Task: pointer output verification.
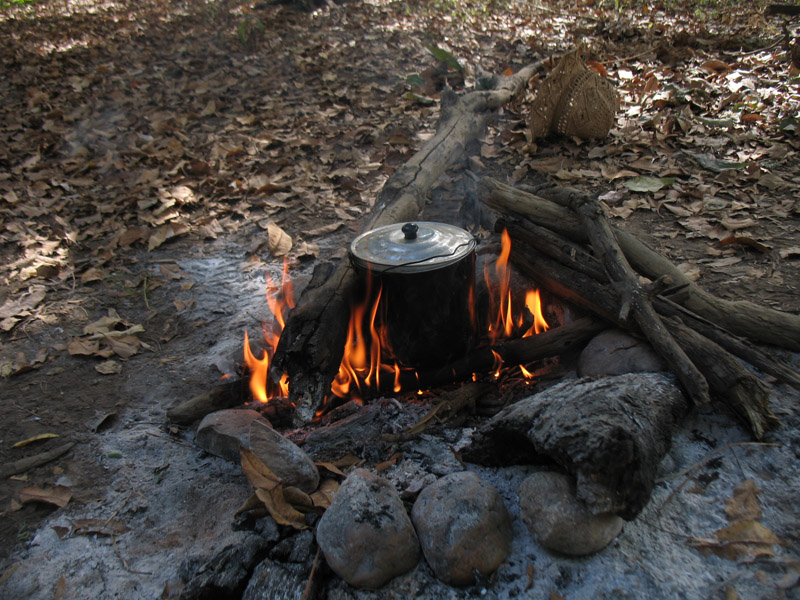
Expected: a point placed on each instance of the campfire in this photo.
(369, 365)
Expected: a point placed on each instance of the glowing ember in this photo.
(280, 300)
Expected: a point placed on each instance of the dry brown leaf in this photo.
(171, 271)
(279, 241)
(323, 497)
(36, 438)
(741, 539)
(124, 347)
(98, 527)
(92, 274)
(134, 234)
(109, 367)
(83, 347)
(23, 306)
(166, 232)
(297, 498)
(331, 467)
(734, 224)
(251, 504)
(279, 509)
(60, 495)
(257, 473)
(744, 503)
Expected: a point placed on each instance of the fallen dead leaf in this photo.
(164, 233)
(107, 527)
(280, 243)
(258, 474)
(324, 494)
(279, 509)
(297, 498)
(109, 367)
(744, 503)
(741, 539)
(83, 347)
(59, 495)
(36, 438)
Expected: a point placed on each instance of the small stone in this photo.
(284, 458)
(463, 526)
(614, 352)
(366, 535)
(559, 521)
(222, 432)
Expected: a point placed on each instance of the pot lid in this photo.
(411, 247)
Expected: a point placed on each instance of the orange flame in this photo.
(533, 302)
(367, 352)
(280, 300)
(366, 355)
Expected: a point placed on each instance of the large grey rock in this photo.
(222, 432)
(463, 527)
(608, 433)
(283, 457)
(366, 535)
(614, 352)
(559, 521)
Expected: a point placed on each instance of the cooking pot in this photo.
(426, 273)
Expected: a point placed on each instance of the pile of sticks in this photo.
(562, 239)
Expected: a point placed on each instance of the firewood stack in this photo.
(563, 240)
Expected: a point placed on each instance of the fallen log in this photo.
(312, 343)
(741, 318)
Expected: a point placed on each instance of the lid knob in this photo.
(410, 231)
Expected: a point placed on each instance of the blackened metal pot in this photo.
(426, 277)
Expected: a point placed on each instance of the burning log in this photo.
(569, 271)
(311, 346)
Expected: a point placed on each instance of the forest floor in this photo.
(139, 140)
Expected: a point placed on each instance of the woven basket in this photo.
(573, 101)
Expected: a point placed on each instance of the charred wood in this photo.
(312, 344)
(226, 395)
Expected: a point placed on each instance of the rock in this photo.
(608, 433)
(273, 580)
(463, 526)
(614, 352)
(225, 573)
(283, 457)
(366, 535)
(559, 521)
(222, 432)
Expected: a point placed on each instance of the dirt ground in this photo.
(148, 149)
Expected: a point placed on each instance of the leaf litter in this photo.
(154, 128)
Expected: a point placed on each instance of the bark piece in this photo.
(226, 395)
(609, 433)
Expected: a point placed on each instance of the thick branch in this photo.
(741, 318)
(634, 299)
